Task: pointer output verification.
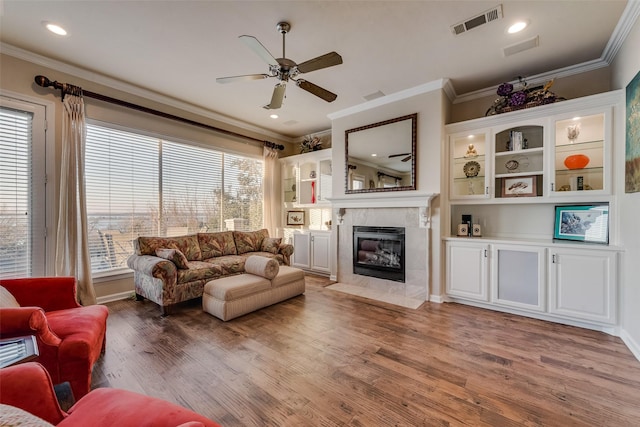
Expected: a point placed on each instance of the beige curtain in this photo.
(72, 248)
(271, 206)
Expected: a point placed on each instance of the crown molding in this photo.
(625, 24)
(112, 83)
(388, 99)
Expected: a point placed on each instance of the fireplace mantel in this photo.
(399, 199)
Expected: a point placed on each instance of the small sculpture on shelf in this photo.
(512, 99)
(471, 151)
(310, 144)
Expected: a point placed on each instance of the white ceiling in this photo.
(178, 48)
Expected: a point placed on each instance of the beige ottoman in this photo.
(233, 296)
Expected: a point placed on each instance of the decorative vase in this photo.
(313, 191)
(576, 161)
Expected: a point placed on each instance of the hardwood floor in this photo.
(333, 359)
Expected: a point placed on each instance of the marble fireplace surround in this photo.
(393, 210)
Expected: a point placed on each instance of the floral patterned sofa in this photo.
(169, 270)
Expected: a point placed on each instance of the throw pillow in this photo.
(175, 256)
(249, 241)
(13, 416)
(271, 244)
(7, 300)
(262, 266)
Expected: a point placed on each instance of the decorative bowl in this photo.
(576, 161)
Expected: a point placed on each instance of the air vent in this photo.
(476, 21)
(519, 47)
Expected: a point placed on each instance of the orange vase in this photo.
(576, 161)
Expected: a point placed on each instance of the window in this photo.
(22, 189)
(140, 185)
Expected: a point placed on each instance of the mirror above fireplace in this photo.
(381, 156)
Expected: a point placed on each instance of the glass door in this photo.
(468, 166)
(579, 158)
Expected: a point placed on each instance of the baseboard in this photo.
(436, 298)
(630, 343)
(115, 297)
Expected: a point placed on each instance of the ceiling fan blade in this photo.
(317, 90)
(327, 60)
(242, 78)
(398, 155)
(406, 159)
(259, 49)
(277, 97)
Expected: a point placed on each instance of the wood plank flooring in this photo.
(333, 359)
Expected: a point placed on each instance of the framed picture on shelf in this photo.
(583, 223)
(519, 186)
(295, 217)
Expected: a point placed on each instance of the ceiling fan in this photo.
(285, 69)
(406, 159)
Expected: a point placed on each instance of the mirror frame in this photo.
(414, 127)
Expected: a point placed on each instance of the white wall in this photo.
(625, 66)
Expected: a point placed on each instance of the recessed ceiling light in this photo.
(374, 155)
(55, 28)
(517, 27)
(274, 116)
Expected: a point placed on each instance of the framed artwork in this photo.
(632, 144)
(295, 217)
(520, 186)
(583, 223)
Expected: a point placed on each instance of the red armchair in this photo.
(28, 387)
(70, 337)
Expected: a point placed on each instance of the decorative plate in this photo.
(471, 169)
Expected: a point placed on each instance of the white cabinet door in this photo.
(518, 276)
(301, 250)
(320, 256)
(467, 270)
(582, 284)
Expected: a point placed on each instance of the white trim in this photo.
(399, 199)
(388, 99)
(625, 25)
(115, 297)
(436, 298)
(50, 171)
(101, 79)
(633, 346)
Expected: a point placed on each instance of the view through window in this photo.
(143, 186)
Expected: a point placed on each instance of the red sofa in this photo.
(70, 337)
(28, 387)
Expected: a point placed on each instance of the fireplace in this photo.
(379, 252)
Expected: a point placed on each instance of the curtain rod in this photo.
(69, 89)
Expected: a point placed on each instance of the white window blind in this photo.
(16, 202)
(138, 185)
(122, 190)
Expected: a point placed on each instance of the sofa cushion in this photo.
(287, 275)
(233, 287)
(271, 244)
(261, 266)
(7, 300)
(217, 244)
(199, 270)
(174, 255)
(249, 241)
(188, 245)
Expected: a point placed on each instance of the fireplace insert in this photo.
(379, 252)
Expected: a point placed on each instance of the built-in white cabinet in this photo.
(555, 151)
(306, 179)
(582, 284)
(467, 270)
(311, 251)
(549, 280)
